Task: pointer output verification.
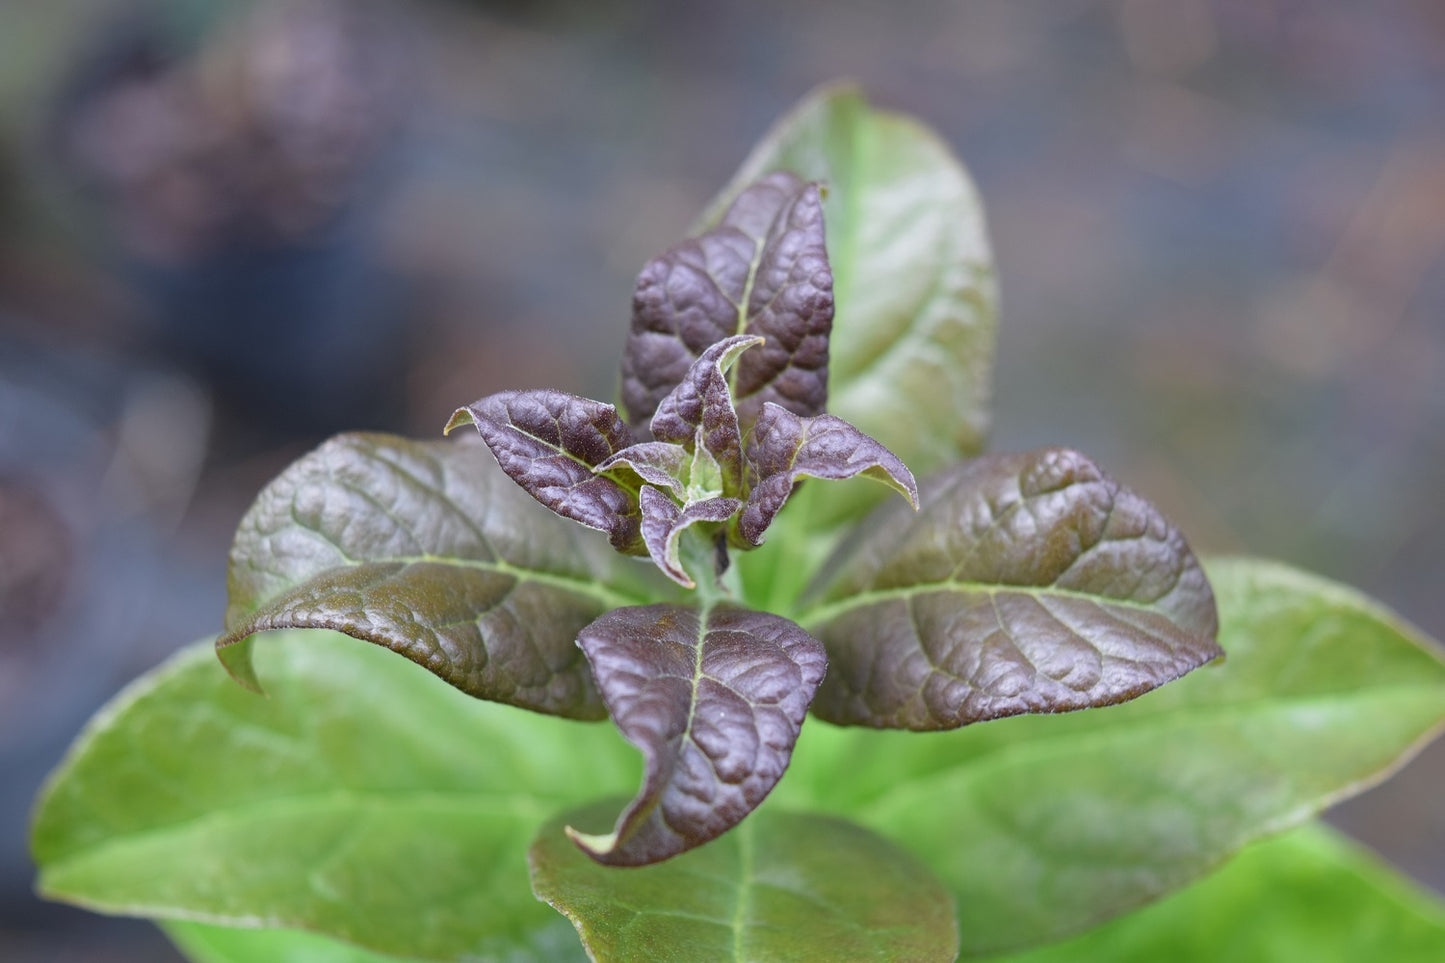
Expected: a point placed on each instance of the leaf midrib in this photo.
(829, 610)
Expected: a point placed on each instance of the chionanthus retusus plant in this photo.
(365, 804)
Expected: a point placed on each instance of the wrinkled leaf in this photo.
(1043, 825)
(779, 887)
(655, 463)
(549, 442)
(714, 701)
(912, 349)
(363, 800)
(429, 550)
(663, 524)
(699, 411)
(760, 270)
(1310, 895)
(784, 448)
(1028, 583)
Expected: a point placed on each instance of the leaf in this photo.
(549, 442)
(1308, 895)
(761, 269)
(779, 887)
(784, 448)
(224, 944)
(556, 942)
(714, 699)
(429, 550)
(663, 523)
(912, 347)
(363, 800)
(1042, 826)
(699, 412)
(655, 463)
(1028, 583)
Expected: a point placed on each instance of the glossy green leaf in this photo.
(556, 942)
(363, 800)
(1044, 825)
(1027, 583)
(429, 550)
(1309, 895)
(714, 698)
(913, 334)
(781, 887)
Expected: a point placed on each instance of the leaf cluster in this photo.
(838, 292)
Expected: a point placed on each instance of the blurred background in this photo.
(231, 227)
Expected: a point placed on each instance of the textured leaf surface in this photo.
(362, 800)
(912, 347)
(549, 442)
(1309, 895)
(760, 269)
(700, 412)
(663, 524)
(781, 887)
(784, 448)
(429, 550)
(1044, 825)
(714, 700)
(1028, 583)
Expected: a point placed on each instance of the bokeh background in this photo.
(229, 228)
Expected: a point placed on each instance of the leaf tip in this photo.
(234, 654)
(594, 845)
(462, 416)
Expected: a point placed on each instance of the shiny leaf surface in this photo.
(699, 412)
(549, 442)
(1028, 583)
(762, 270)
(784, 448)
(1309, 895)
(912, 347)
(779, 887)
(714, 699)
(1042, 826)
(429, 550)
(363, 800)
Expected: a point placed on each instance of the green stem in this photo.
(700, 557)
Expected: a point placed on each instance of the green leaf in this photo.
(762, 270)
(429, 550)
(554, 943)
(714, 699)
(781, 887)
(1309, 895)
(913, 335)
(1027, 583)
(1042, 826)
(363, 800)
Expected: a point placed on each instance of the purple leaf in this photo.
(663, 524)
(549, 442)
(714, 701)
(784, 448)
(762, 271)
(1028, 583)
(655, 462)
(701, 406)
